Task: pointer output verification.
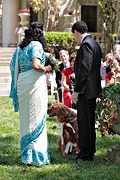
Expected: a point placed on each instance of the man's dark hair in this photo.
(80, 26)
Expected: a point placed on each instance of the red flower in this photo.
(69, 11)
(24, 10)
(109, 75)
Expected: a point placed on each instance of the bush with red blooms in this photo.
(113, 60)
(108, 108)
(109, 75)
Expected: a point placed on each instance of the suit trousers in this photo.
(86, 126)
(60, 94)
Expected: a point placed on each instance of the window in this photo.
(89, 15)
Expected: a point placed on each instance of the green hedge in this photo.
(60, 40)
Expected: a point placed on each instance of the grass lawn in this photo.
(61, 168)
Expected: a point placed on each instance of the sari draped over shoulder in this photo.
(33, 102)
(14, 74)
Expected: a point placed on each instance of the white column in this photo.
(23, 4)
(9, 22)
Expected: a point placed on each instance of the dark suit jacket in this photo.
(87, 68)
(58, 75)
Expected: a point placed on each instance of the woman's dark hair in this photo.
(80, 26)
(72, 56)
(34, 33)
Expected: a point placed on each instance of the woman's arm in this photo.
(38, 67)
(64, 84)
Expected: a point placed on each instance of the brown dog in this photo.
(67, 122)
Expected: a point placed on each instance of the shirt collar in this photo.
(84, 35)
(67, 65)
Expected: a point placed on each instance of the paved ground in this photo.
(5, 80)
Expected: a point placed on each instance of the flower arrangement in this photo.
(69, 11)
(24, 10)
(52, 61)
(113, 60)
(108, 108)
(108, 104)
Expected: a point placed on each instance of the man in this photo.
(87, 89)
(64, 57)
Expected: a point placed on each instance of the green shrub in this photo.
(60, 40)
(108, 107)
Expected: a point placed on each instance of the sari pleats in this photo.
(33, 101)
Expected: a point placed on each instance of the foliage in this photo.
(61, 167)
(115, 37)
(108, 107)
(43, 4)
(49, 8)
(52, 61)
(60, 40)
(57, 41)
(109, 13)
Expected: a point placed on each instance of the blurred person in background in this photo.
(68, 81)
(64, 58)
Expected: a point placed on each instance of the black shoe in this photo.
(78, 157)
(90, 159)
(80, 160)
(25, 164)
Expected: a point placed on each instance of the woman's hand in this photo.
(40, 68)
(47, 68)
(64, 84)
(74, 97)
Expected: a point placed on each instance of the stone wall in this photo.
(88, 1)
(66, 20)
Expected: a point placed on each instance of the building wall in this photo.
(88, 1)
(9, 19)
(92, 3)
(66, 20)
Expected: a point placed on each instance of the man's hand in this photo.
(74, 97)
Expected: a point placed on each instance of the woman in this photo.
(67, 75)
(64, 58)
(29, 94)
